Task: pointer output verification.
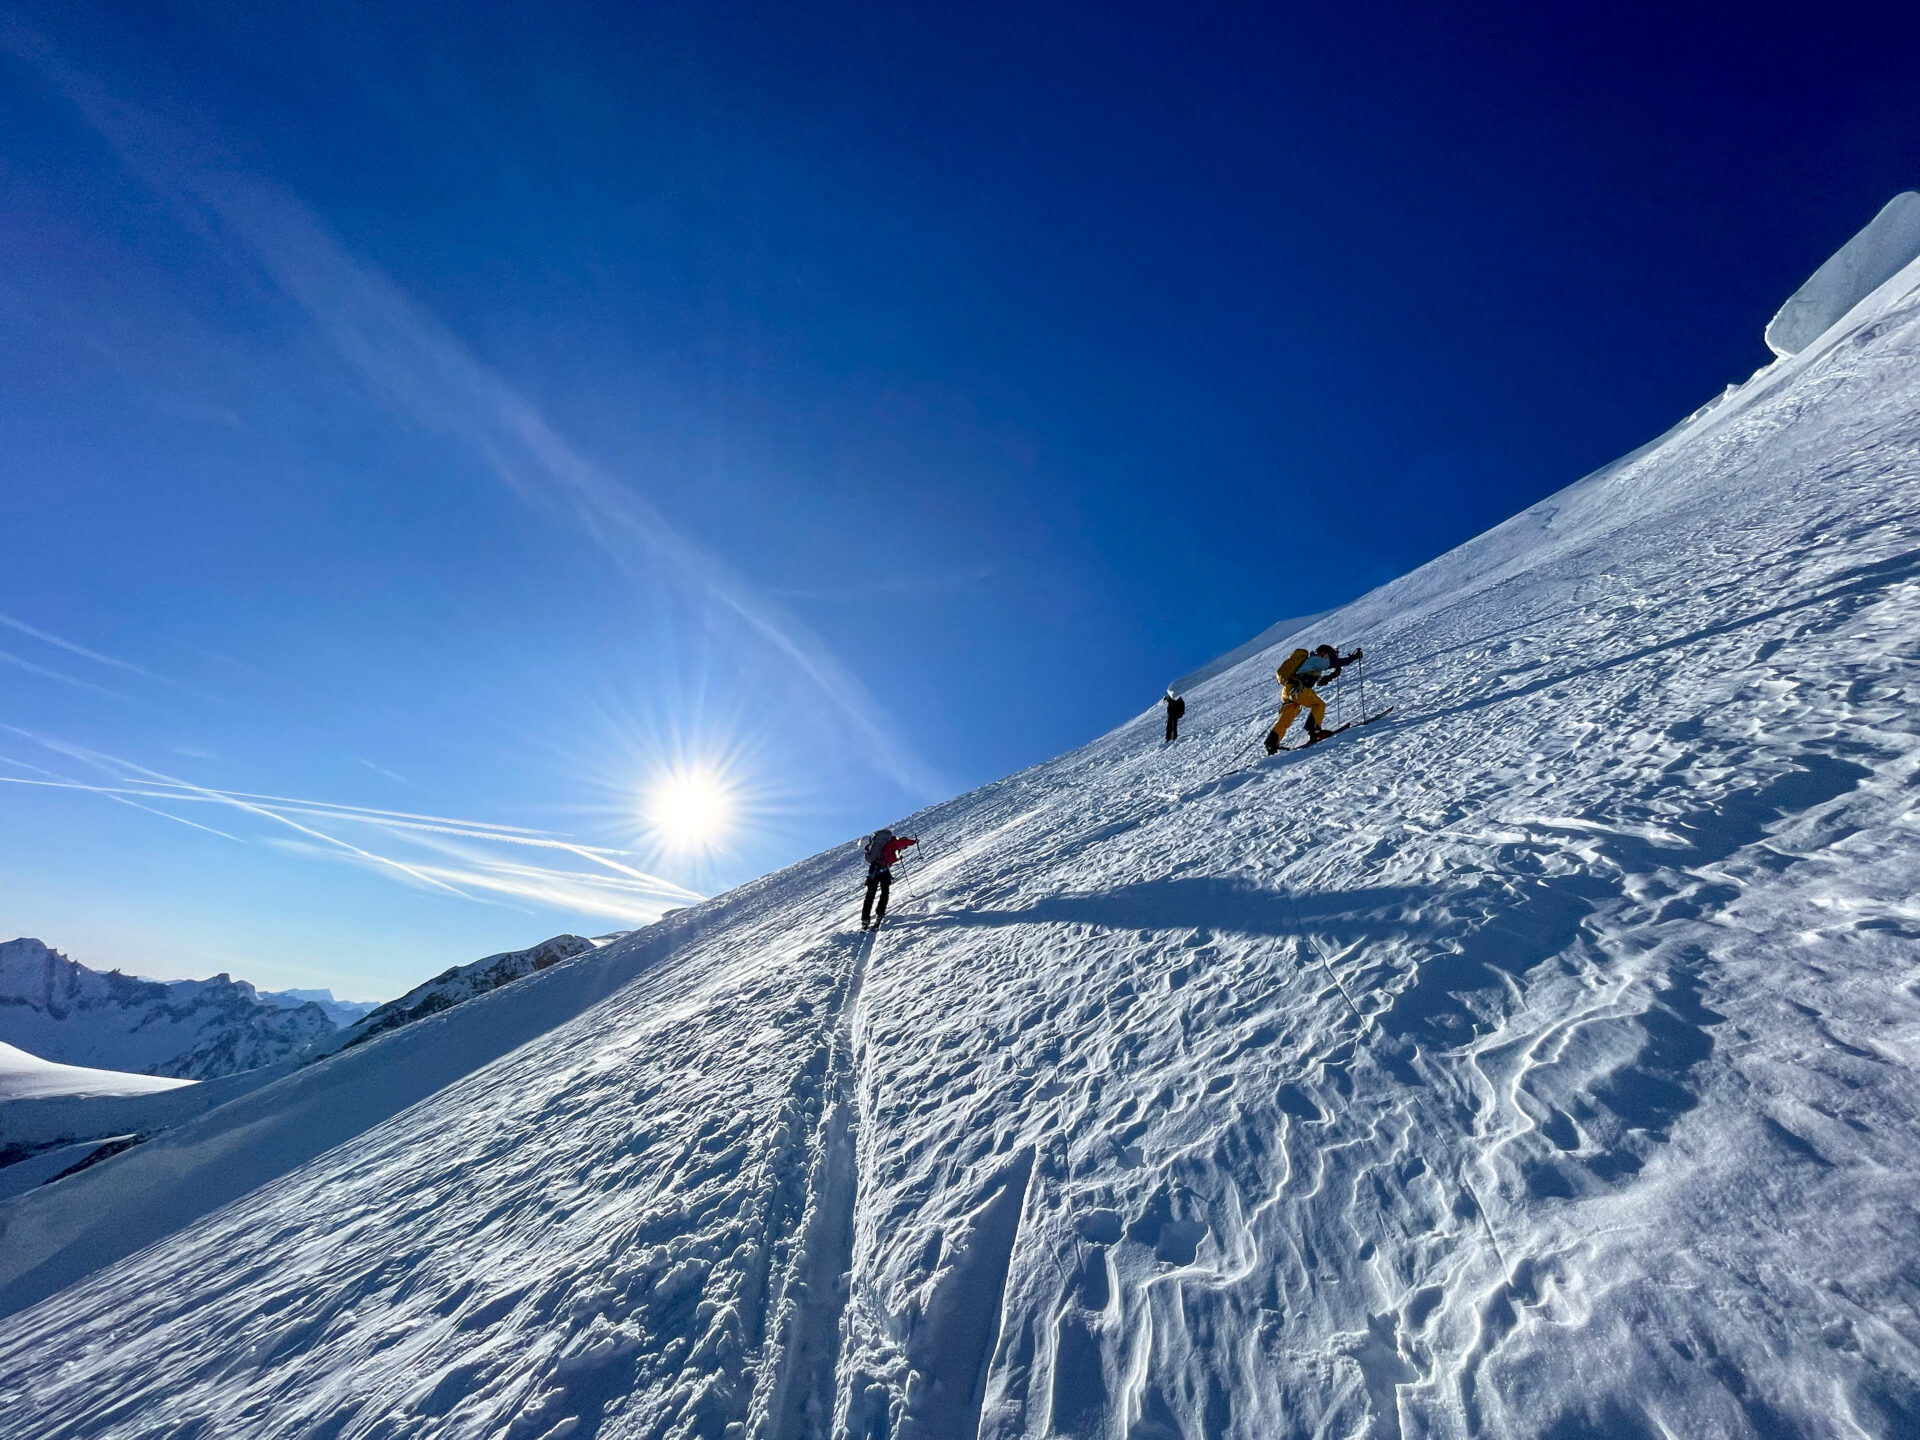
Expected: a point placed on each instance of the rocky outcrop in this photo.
(463, 982)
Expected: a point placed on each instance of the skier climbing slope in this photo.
(882, 850)
(1298, 674)
(1552, 1074)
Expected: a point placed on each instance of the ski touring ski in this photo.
(1338, 729)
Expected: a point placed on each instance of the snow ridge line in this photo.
(795, 1394)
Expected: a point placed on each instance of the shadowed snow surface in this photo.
(1538, 1062)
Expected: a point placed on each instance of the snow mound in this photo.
(1886, 246)
(1543, 1061)
(34, 1122)
(28, 1077)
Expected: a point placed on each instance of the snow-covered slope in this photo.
(51, 1164)
(28, 1077)
(1265, 640)
(60, 1010)
(53, 1104)
(33, 1122)
(201, 1158)
(1539, 1062)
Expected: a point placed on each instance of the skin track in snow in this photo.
(1544, 1066)
(804, 1345)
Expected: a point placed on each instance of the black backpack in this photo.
(877, 846)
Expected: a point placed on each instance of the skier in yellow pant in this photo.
(1298, 674)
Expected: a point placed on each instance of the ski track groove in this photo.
(798, 1393)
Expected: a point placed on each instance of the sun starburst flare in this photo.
(690, 810)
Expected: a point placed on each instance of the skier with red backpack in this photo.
(883, 847)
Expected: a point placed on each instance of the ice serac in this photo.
(1886, 246)
(1541, 1062)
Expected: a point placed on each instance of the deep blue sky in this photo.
(469, 410)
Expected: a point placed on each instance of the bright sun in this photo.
(690, 809)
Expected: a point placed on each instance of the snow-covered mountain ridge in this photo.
(1538, 1063)
(458, 984)
(45, 1105)
(62, 1011)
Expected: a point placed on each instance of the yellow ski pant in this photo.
(1298, 700)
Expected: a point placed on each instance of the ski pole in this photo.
(907, 882)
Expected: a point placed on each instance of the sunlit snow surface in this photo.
(1616, 1137)
(24, 1076)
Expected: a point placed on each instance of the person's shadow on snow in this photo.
(1202, 903)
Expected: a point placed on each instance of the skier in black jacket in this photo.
(1176, 707)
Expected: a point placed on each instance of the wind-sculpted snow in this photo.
(1539, 1062)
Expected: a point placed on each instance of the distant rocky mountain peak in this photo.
(60, 1010)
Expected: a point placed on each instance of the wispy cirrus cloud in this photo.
(56, 781)
(60, 643)
(131, 672)
(424, 374)
(385, 773)
(45, 672)
(612, 897)
(475, 860)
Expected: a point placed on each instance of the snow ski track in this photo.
(797, 1378)
(951, 1347)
